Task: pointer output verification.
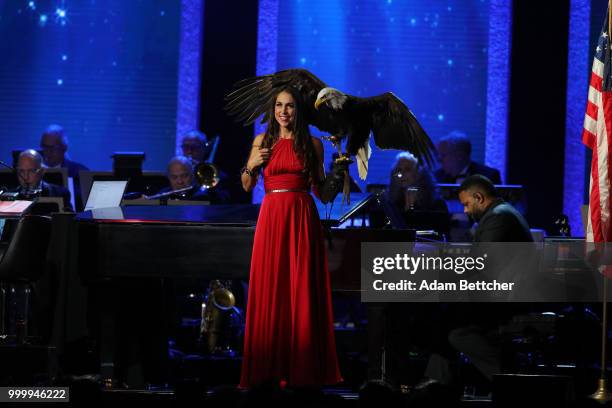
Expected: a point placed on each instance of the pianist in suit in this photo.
(477, 329)
(181, 179)
(30, 172)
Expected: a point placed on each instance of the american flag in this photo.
(597, 135)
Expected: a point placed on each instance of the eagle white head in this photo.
(331, 97)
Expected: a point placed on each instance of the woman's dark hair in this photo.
(302, 143)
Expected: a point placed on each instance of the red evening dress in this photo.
(289, 327)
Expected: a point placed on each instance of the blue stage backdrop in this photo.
(433, 55)
(105, 70)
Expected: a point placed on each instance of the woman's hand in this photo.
(259, 157)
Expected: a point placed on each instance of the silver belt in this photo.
(286, 190)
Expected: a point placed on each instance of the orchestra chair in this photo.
(22, 263)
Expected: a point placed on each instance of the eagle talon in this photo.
(335, 140)
(344, 159)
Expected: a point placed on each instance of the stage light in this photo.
(60, 12)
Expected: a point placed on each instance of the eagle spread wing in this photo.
(252, 97)
(393, 125)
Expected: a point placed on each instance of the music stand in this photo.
(128, 165)
(57, 176)
(150, 180)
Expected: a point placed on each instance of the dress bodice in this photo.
(285, 169)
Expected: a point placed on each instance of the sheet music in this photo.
(105, 194)
(16, 207)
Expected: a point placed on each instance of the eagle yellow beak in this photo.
(318, 102)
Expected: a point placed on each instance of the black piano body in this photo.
(127, 250)
(167, 241)
(200, 242)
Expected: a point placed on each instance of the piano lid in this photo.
(235, 215)
(335, 213)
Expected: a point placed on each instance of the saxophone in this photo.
(216, 315)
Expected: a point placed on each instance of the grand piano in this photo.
(167, 241)
(208, 241)
(128, 250)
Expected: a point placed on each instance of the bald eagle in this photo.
(344, 116)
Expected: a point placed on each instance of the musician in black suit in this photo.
(54, 145)
(476, 334)
(30, 173)
(498, 221)
(455, 157)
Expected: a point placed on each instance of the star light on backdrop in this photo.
(42, 14)
(433, 55)
(369, 47)
(60, 16)
(106, 71)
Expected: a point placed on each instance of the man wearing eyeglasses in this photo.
(180, 177)
(30, 173)
(195, 146)
(53, 145)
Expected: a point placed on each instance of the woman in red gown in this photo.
(289, 328)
